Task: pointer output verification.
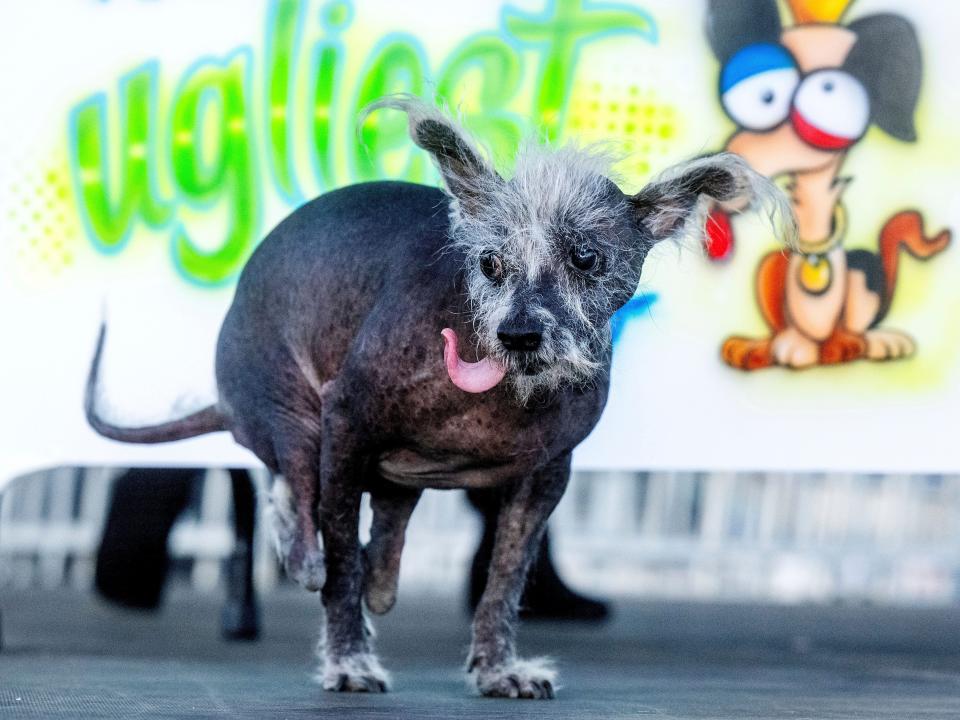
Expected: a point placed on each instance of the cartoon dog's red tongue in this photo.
(471, 377)
(719, 239)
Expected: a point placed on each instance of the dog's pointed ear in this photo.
(734, 24)
(467, 175)
(677, 203)
(886, 59)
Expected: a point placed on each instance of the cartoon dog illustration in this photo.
(802, 97)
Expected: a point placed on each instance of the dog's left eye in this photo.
(491, 265)
(584, 258)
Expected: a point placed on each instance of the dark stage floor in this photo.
(69, 656)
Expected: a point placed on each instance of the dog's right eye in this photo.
(491, 265)
(584, 258)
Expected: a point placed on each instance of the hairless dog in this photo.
(390, 337)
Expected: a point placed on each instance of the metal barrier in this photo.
(779, 537)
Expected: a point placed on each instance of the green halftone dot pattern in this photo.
(336, 14)
(44, 221)
(644, 127)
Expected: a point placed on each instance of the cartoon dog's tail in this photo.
(905, 229)
(203, 421)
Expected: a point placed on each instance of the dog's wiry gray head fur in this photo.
(555, 250)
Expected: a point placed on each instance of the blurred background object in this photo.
(133, 559)
(786, 538)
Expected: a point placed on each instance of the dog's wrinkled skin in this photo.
(329, 365)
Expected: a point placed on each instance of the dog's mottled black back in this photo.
(313, 281)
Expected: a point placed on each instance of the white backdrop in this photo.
(674, 405)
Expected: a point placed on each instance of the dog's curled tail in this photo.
(905, 229)
(203, 421)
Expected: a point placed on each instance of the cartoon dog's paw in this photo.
(534, 679)
(889, 345)
(360, 672)
(842, 346)
(794, 349)
(746, 354)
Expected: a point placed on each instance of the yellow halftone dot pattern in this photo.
(640, 124)
(44, 221)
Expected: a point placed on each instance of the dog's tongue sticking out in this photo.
(471, 377)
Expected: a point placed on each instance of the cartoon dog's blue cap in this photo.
(752, 60)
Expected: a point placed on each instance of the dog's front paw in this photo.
(361, 672)
(889, 345)
(842, 346)
(379, 598)
(380, 584)
(794, 349)
(535, 679)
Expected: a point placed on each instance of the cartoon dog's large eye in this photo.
(491, 265)
(757, 86)
(831, 110)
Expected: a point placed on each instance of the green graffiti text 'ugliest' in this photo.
(215, 129)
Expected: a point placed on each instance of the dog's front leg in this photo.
(392, 506)
(493, 664)
(349, 663)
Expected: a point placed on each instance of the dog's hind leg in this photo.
(392, 506)
(293, 510)
(747, 353)
(493, 665)
(349, 663)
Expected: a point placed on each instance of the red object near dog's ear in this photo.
(719, 236)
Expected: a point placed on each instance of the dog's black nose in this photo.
(520, 341)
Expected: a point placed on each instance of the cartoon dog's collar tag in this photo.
(816, 274)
